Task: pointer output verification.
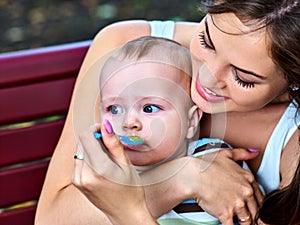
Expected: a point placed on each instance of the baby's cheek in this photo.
(156, 131)
(116, 122)
(166, 132)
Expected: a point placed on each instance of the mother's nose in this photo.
(212, 76)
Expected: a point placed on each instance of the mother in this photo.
(250, 69)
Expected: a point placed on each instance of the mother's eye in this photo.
(242, 82)
(203, 42)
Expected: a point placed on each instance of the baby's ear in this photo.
(194, 115)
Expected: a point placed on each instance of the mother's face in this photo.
(232, 67)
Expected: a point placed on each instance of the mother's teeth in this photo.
(210, 92)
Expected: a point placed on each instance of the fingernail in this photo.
(108, 127)
(254, 150)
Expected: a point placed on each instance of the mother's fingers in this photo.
(259, 192)
(114, 147)
(255, 200)
(111, 162)
(253, 195)
(245, 220)
(78, 163)
(241, 154)
(239, 213)
(77, 171)
(244, 215)
(238, 195)
(109, 143)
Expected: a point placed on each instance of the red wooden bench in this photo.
(35, 91)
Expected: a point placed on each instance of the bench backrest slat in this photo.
(29, 102)
(35, 92)
(23, 183)
(23, 216)
(41, 64)
(29, 143)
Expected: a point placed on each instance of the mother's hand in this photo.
(224, 189)
(109, 181)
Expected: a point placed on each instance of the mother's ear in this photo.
(194, 116)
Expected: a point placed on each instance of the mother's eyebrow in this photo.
(249, 72)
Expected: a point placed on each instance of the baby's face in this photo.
(149, 100)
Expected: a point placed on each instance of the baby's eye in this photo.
(151, 109)
(115, 109)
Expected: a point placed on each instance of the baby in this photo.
(145, 93)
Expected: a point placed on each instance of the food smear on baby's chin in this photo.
(131, 140)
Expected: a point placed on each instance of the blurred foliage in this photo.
(34, 23)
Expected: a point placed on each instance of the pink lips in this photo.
(210, 97)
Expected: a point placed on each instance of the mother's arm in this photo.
(115, 187)
(60, 202)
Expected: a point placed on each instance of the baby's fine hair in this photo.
(149, 48)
